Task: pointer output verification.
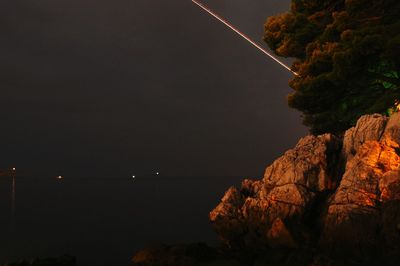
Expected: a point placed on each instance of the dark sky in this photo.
(110, 88)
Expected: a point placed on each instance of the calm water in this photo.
(103, 221)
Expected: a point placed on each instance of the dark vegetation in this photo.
(65, 260)
(347, 58)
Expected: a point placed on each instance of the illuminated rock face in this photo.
(369, 192)
(249, 217)
(341, 193)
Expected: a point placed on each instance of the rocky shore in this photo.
(331, 200)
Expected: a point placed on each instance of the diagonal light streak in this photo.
(209, 11)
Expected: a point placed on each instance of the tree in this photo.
(347, 57)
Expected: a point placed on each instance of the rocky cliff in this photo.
(331, 200)
(336, 194)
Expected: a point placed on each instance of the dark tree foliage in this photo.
(347, 57)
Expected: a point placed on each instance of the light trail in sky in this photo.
(209, 11)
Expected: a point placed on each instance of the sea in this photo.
(104, 221)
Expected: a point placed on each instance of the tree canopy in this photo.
(347, 59)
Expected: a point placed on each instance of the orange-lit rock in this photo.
(371, 179)
(279, 236)
(368, 127)
(341, 193)
(290, 184)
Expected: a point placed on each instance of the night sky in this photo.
(114, 88)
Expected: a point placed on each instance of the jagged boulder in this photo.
(267, 212)
(368, 127)
(358, 214)
(343, 193)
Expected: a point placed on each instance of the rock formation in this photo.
(338, 194)
(260, 213)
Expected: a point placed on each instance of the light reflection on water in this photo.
(12, 216)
